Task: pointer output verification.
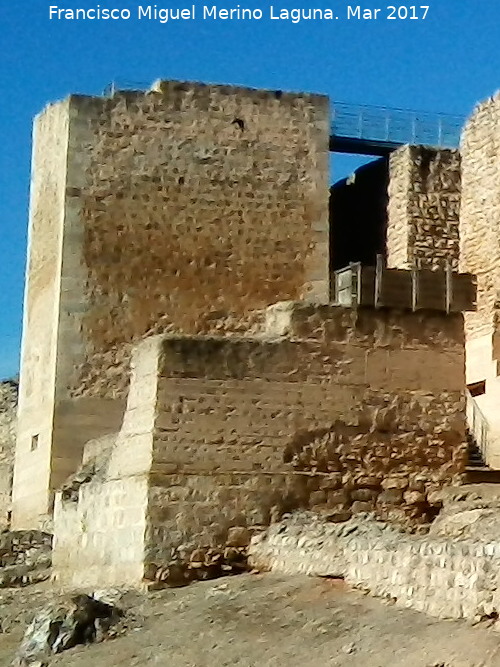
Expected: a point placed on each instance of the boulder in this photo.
(73, 620)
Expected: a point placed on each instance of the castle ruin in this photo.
(211, 340)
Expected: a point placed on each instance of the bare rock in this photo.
(395, 483)
(391, 496)
(57, 627)
(339, 516)
(238, 536)
(414, 497)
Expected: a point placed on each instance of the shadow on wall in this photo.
(358, 215)
(77, 422)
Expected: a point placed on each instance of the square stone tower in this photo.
(423, 211)
(182, 209)
(480, 254)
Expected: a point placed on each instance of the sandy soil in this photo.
(265, 620)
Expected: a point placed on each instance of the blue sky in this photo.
(446, 62)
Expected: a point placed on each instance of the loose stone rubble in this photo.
(25, 557)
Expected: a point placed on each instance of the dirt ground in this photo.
(265, 620)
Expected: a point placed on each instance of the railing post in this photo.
(449, 286)
(359, 280)
(440, 132)
(414, 288)
(360, 124)
(378, 281)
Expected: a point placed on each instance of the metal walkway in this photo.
(367, 130)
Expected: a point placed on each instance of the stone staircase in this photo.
(478, 472)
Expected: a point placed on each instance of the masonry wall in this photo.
(480, 254)
(480, 213)
(447, 578)
(331, 409)
(184, 209)
(423, 211)
(100, 515)
(32, 474)
(8, 427)
(197, 205)
(342, 415)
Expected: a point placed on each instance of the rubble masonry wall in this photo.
(423, 210)
(331, 409)
(8, 428)
(447, 578)
(480, 254)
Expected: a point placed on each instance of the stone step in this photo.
(482, 474)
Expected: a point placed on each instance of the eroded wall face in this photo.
(186, 209)
(182, 209)
(355, 412)
(480, 213)
(102, 521)
(8, 428)
(199, 204)
(480, 254)
(31, 497)
(332, 409)
(423, 211)
(423, 572)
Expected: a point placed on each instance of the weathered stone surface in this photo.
(209, 416)
(423, 210)
(444, 577)
(231, 184)
(414, 497)
(480, 212)
(363, 495)
(360, 506)
(39, 353)
(390, 497)
(62, 626)
(8, 424)
(238, 536)
(25, 558)
(394, 483)
(479, 254)
(224, 432)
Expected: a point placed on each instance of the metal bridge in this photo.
(370, 130)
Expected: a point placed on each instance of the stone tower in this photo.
(181, 209)
(480, 254)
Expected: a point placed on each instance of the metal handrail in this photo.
(478, 425)
(396, 126)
